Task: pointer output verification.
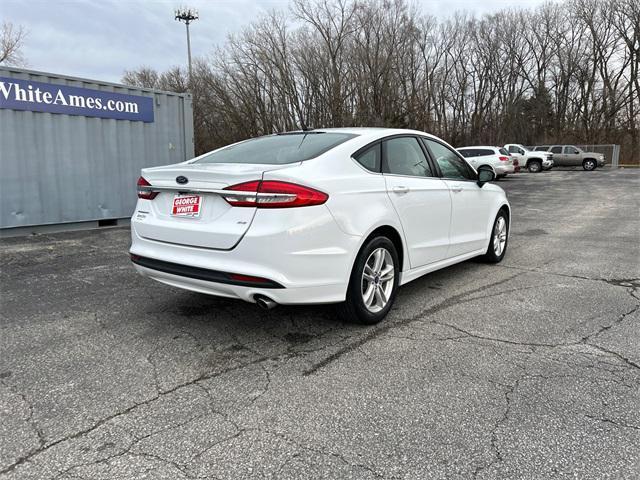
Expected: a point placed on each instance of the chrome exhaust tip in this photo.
(265, 303)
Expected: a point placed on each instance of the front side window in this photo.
(468, 153)
(404, 156)
(370, 158)
(451, 165)
(278, 149)
(556, 150)
(514, 149)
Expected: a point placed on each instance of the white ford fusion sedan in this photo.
(342, 215)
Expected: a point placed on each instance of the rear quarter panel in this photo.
(358, 199)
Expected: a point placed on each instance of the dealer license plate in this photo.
(186, 206)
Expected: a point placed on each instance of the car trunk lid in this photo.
(194, 213)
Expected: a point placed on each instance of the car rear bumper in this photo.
(504, 169)
(285, 296)
(301, 250)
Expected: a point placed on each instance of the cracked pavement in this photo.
(527, 369)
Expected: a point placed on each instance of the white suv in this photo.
(496, 157)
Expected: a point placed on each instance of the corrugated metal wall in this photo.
(57, 168)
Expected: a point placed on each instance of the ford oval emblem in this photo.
(182, 180)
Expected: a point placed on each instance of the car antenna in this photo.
(304, 127)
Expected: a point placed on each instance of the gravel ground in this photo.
(527, 369)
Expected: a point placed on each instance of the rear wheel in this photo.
(589, 164)
(373, 283)
(499, 238)
(534, 166)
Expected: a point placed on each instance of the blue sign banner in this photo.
(18, 94)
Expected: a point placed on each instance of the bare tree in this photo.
(564, 72)
(11, 43)
(145, 77)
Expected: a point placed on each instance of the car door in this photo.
(485, 157)
(470, 204)
(420, 198)
(558, 157)
(572, 156)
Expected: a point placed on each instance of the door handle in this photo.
(400, 189)
(456, 188)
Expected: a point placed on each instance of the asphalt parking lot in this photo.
(527, 369)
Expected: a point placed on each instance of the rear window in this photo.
(278, 149)
(503, 151)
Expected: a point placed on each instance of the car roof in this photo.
(368, 131)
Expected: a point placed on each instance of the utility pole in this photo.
(187, 15)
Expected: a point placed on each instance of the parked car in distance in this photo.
(533, 161)
(572, 156)
(341, 215)
(496, 157)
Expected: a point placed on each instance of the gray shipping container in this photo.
(59, 168)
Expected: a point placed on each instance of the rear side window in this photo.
(370, 158)
(556, 150)
(484, 152)
(404, 156)
(278, 149)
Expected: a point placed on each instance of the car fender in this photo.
(398, 228)
(498, 206)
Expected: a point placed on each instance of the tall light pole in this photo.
(187, 15)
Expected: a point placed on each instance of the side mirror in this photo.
(485, 174)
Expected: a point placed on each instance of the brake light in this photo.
(144, 190)
(504, 159)
(274, 194)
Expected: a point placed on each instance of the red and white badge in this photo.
(186, 206)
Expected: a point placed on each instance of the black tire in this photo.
(534, 166)
(490, 256)
(589, 164)
(353, 309)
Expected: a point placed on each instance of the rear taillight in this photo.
(145, 191)
(504, 159)
(273, 194)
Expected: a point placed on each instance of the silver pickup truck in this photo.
(571, 156)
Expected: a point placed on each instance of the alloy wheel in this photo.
(377, 280)
(499, 236)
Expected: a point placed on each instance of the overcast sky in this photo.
(99, 39)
